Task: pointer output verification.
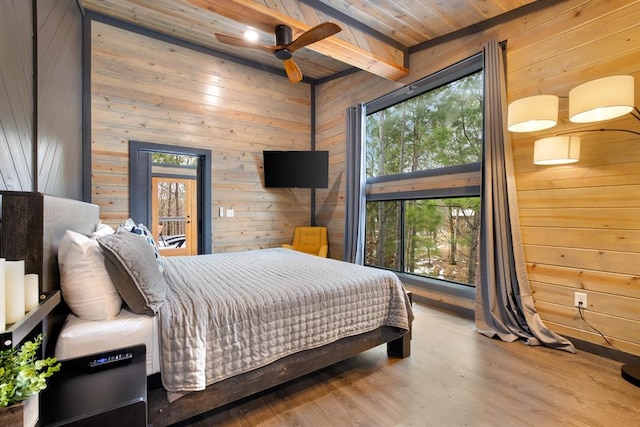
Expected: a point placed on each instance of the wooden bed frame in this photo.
(32, 226)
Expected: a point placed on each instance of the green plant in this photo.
(22, 374)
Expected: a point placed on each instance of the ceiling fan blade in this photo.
(235, 41)
(293, 71)
(314, 34)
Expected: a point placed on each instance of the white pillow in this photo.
(85, 283)
(102, 230)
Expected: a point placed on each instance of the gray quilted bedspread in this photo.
(233, 312)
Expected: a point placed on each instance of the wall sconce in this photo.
(601, 99)
(556, 150)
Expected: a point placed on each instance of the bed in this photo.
(224, 326)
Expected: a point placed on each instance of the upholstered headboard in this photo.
(32, 226)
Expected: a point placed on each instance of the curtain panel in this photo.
(356, 171)
(504, 304)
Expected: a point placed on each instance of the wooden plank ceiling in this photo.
(376, 35)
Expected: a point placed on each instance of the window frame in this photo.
(443, 77)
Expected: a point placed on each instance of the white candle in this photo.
(31, 292)
(14, 287)
(3, 325)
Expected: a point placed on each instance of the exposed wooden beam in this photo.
(265, 19)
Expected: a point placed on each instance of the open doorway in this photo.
(170, 190)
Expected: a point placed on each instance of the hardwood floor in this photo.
(454, 377)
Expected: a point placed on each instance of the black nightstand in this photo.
(112, 394)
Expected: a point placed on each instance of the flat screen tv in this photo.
(296, 169)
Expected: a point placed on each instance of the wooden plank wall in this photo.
(60, 84)
(148, 90)
(581, 222)
(16, 95)
(58, 75)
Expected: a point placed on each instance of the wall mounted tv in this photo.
(296, 169)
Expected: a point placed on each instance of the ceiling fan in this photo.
(285, 46)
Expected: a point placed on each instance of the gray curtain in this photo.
(504, 305)
(355, 203)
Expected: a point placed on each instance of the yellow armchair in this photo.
(311, 240)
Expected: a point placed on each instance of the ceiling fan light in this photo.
(601, 99)
(251, 35)
(556, 150)
(533, 113)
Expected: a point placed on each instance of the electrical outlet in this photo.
(230, 213)
(580, 300)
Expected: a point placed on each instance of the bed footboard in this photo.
(162, 413)
(400, 347)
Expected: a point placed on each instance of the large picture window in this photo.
(424, 150)
(439, 128)
(436, 238)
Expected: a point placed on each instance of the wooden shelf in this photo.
(19, 330)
